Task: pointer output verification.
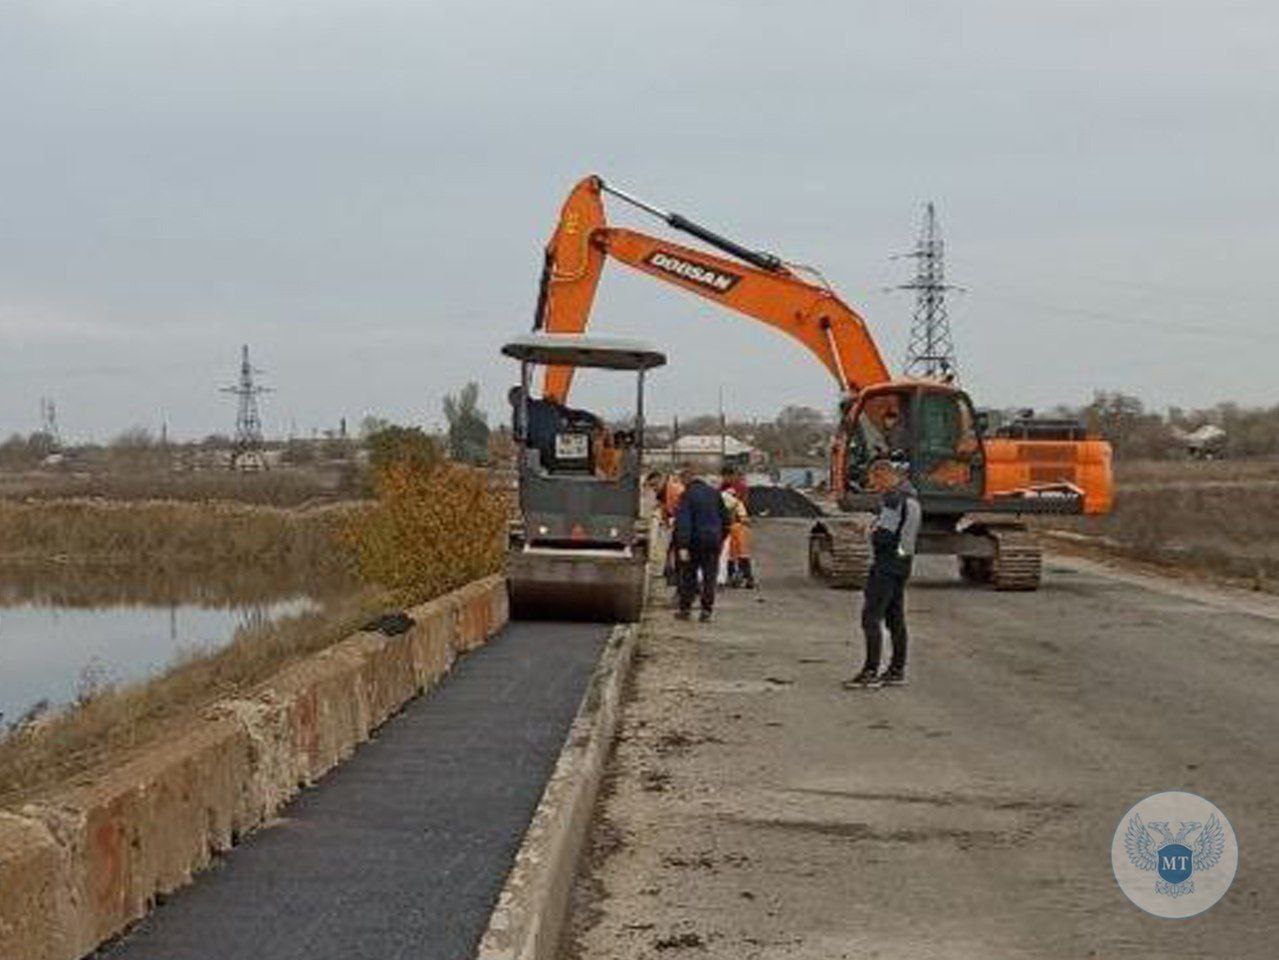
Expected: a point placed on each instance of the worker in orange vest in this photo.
(608, 456)
(668, 489)
(735, 491)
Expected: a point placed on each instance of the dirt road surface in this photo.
(755, 809)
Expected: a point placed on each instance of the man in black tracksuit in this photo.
(699, 536)
(893, 552)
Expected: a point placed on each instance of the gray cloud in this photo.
(360, 190)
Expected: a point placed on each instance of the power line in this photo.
(1175, 295)
(1089, 315)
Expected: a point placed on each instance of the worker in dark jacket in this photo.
(699, 535)
(541, 422)
(892, 542)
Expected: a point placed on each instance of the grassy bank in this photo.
(1142, 472)
(172, 535)
(108, 723)
(80, 584)
(289, 487)
(1220, 519)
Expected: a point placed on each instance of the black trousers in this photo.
(884, 601)
(703, 559)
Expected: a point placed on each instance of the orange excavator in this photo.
(974, 488)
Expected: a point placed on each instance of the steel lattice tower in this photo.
(246, 454)
(931, 351)
(49, 423)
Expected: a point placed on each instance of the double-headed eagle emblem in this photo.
(1173, 857)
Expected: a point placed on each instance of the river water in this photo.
(61, 638)
(50, 653)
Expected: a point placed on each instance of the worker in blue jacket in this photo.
(699, 535)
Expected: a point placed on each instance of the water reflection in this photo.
(66, 629)
(75, 584)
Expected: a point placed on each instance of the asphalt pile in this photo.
(772, 501)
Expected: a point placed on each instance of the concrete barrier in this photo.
(534, 901)
(36, 919)
(81, 864)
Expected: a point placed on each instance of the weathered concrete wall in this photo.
(81, 864)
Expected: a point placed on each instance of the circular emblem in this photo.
(1174, 854)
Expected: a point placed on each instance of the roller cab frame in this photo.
(578, 548)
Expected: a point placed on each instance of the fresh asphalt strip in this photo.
(401, 851)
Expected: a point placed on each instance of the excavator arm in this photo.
(753, 283)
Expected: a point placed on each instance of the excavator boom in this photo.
(973, 489)
(754, 283)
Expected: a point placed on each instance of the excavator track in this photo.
(839, 554)
(1018, 561)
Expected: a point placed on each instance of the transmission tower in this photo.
(49, 424)
(246, 454)
(931, 352)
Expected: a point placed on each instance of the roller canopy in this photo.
(574, 350)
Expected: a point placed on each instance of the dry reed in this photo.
(1226, 526)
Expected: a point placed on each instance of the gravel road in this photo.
(755, 809)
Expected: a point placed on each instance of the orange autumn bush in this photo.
(435, 527)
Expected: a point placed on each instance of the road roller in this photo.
(578, 547)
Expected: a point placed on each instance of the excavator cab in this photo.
(578, 548)
(958, 472)
(932, 426)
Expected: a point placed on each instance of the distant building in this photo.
(1206, 443)
(708, 452)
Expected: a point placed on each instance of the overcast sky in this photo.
(360, 190)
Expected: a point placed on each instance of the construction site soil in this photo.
(755, 809)
(770, 501)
